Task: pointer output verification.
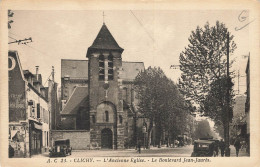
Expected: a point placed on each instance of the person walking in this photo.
(237, 145)
(139, 147)
(11, 151)
(222, 147)
(216, 147)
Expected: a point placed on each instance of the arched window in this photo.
(101, 68)
(120, 119)
(107, 116)
(110, 68)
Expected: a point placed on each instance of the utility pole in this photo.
(227, 112)
(52, 74)
(238, 76)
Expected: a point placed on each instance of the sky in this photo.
(155, 37)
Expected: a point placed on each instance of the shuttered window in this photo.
(38, 110)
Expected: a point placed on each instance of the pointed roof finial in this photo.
(103, 17)
(105, 41)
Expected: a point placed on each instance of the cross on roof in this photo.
(104, 17)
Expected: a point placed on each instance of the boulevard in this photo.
(184, 151)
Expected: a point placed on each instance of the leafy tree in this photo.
(160, 101)
(204, 60)
(203, 65)
(214, 104)
(203, 129)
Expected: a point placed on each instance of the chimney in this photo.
(37, 71)
(52, 73)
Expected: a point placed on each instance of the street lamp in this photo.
(144, 132)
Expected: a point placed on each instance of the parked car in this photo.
(180, 138)
(203, 148)
(61, 148)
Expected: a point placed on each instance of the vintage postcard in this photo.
(140, 83)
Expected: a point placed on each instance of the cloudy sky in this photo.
(153, 37)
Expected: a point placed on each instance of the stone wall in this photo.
(79, 139)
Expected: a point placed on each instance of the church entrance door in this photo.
(106, 138)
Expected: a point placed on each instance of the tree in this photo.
(203, 130)
(214, 103)
(159, 100)
(204, 64)
(204, 60)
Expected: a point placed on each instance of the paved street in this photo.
(153, 152)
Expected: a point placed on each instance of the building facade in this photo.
(247, 105)
(29, 112)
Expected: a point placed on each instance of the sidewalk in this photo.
(45, 154)
(242, 153)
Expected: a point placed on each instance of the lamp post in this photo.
(144, 132)
(227, 112)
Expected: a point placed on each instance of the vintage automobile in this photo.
(203, 148)
(60, 148)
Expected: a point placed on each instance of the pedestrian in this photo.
(216, 147)
(11, 151)
(237, 145)
(139, 147)
(243, 145)
(222, 147)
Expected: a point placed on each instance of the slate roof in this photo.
(130, 70)
(75, 69)
(27, 72)
(78, 69)
(105, 40)
(78, 96)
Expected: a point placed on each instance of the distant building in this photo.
(29, 110)
(98, 98)
(239, 118)
(239, 106)
(247, 104)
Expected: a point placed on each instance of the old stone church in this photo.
(98, 95)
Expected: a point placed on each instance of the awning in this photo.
(36, 126)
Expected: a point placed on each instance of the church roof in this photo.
(105, 40)
(79, 95)
(78, 69)
(75, 69)
(130, 70)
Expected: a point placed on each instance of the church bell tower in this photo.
(104, 90)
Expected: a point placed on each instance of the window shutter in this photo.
(38, 110)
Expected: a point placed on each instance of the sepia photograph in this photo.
(130, 86)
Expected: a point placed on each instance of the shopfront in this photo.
(35, 138)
